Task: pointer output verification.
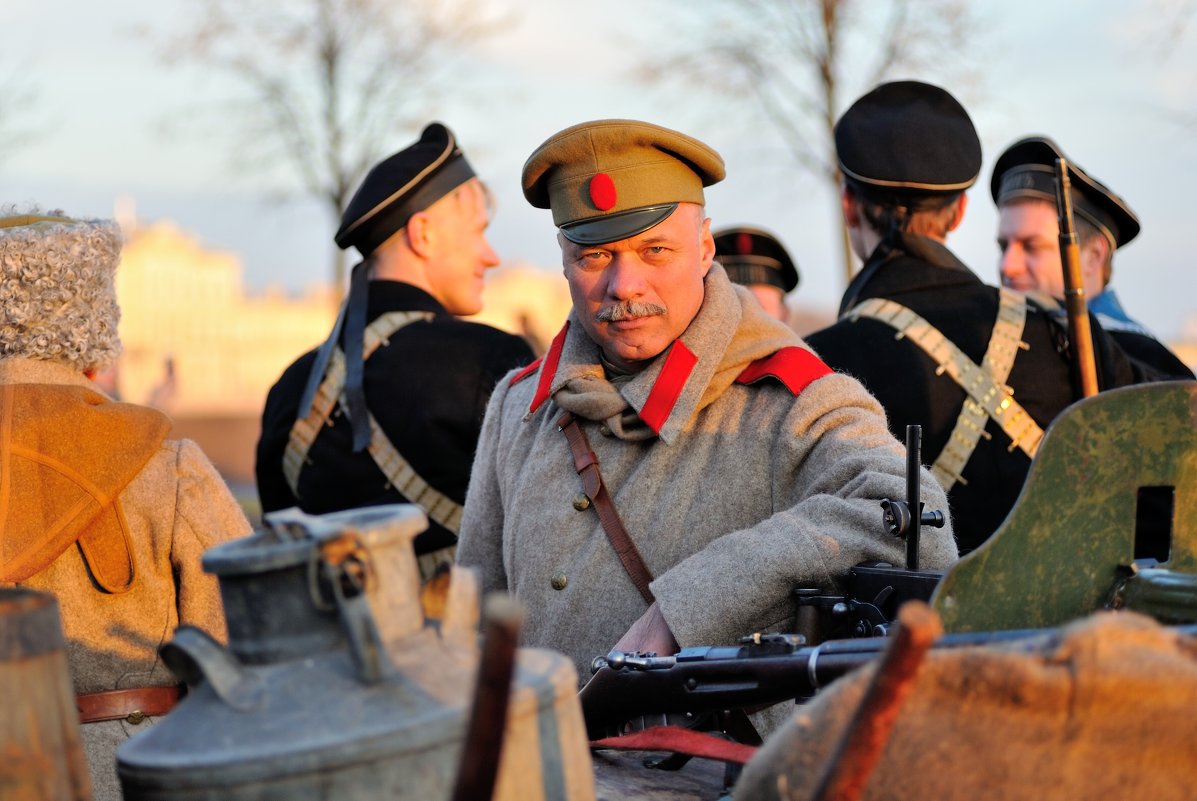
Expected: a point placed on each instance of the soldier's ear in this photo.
(961, 205)
(420, 234)
(850, 207)
(706, 245)
(1095, 254)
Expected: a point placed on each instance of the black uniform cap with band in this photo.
(1027, 171)
(401, 185)
(608, 180)
(394, 189)
(908, 140)
(755, 256)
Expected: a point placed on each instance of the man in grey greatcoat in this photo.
(739, 464)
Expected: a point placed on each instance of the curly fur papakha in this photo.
(57, 290)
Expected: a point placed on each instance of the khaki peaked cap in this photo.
(608, 180)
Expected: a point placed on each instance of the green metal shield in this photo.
(1070, 538)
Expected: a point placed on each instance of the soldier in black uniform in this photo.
(908, 151)
(1023, 187)
(390, 408)
(757, 259)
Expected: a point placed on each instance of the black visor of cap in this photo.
(615, 227)
(753, 270)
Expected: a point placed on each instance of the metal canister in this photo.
(333, 685)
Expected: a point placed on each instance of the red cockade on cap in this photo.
(602, 191)
(744, 244)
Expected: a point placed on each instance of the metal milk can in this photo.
(334, 685)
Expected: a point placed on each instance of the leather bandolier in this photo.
(988, 396)
(398, 471)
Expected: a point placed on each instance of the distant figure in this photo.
(96, 505)
(162, 396)
(981, 370)
(109, 380)
(757, 259)
(388, 410)
(1023, 187)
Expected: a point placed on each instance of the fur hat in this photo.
(57, 290)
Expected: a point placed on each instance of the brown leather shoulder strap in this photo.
(587, 465)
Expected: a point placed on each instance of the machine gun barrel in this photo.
(914, 449)
(627, 688)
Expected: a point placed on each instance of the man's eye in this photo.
(654, 250)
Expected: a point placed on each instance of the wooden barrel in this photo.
(41, 750)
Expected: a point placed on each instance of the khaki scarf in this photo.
(729, 332)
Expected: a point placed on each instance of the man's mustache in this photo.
(628, 310)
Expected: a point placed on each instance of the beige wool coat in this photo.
(746, 491)
(175, 507)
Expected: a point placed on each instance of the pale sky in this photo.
(111, 120)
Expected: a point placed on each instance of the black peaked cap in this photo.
(401, 185)
(1028, 170)
(908, 138)
(755, 256)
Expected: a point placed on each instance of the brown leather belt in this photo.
(133, 705)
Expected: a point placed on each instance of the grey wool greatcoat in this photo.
(734, 492)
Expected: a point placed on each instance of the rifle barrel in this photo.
(1084, 365)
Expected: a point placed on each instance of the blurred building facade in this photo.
(194, 340)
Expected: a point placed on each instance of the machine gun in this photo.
(876, 590)
(1074, 543)
(632, 691)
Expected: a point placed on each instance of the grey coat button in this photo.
(559, 581)
(581, 503)
(604, 429)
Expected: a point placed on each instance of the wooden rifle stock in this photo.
(1080, 336)
(482, 749)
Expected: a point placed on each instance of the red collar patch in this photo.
(795, 367)
(548, 369)
(679, 363)
(527, 371)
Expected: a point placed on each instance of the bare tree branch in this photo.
(324, 84)
(17, 98)
(794, 59)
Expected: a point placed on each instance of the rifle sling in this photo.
(587, 465)
(679, 741)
